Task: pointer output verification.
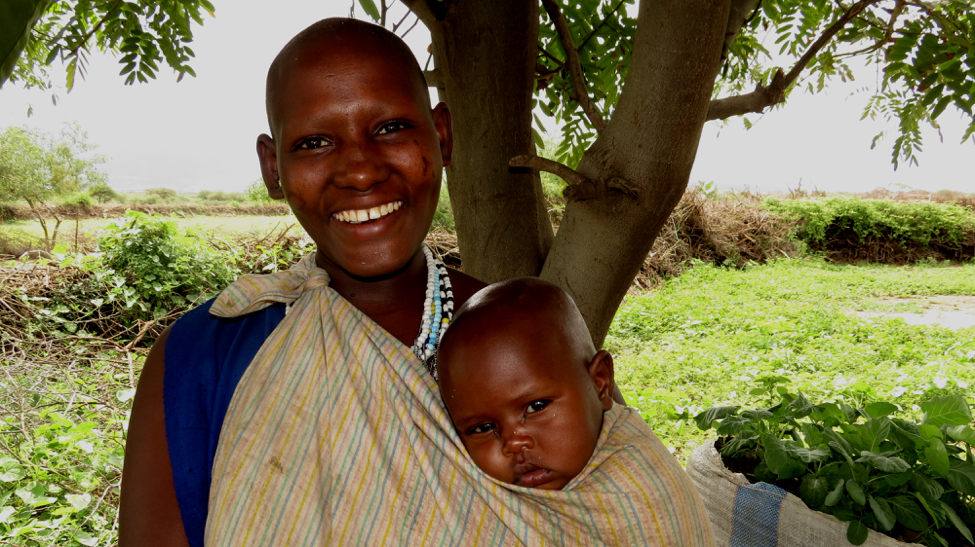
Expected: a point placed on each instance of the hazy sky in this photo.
(199, 134)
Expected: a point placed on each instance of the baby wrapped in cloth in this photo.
(337, 435)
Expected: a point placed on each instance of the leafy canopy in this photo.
(144, 32)
(36, 167)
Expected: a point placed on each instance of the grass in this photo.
(708, 337)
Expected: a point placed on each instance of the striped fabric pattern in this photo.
(337, 435)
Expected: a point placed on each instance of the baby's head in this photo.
(523, 383)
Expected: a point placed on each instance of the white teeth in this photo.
(362, 215)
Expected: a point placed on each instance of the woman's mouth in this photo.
(358, 216)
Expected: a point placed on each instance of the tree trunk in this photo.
(485, 56)
(650, 142)
(40, 218)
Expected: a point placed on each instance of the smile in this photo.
(358, 216)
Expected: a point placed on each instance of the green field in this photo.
(708, 337)
(209, 224)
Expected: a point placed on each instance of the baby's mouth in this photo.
(358, 216)
(530, 475)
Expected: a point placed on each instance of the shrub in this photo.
(83, 199)
(104, 193)
(256, 193)
(889, 231)
(156, 267)
(444, 217)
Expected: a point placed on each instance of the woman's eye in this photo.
(391, 127)
(482, 428)
(535, 406)
(312, 143)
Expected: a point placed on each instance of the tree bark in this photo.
(650, 142)
(485, 56)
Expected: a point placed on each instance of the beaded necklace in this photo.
(438, 309)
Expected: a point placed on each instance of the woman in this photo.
(331, 430)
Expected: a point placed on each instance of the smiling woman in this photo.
(291, 410)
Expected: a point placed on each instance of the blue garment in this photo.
(205, 359)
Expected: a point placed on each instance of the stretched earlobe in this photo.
(441, 119)
(268, 156)
(602, 375)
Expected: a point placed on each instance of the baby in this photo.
(524, 385)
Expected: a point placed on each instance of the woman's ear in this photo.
(601, 373)
(441, 120)
(267, 153)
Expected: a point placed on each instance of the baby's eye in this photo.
(486, 427)
(392, 127)
(535, 406)
(312, 142)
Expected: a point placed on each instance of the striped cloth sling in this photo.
(336, 435)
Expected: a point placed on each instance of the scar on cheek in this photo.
(426, 165)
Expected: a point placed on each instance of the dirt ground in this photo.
(953, 312)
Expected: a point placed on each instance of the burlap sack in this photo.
(762, 515)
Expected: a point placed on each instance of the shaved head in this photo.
(337, 41)
(523, 305)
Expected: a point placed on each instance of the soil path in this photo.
(953, 312)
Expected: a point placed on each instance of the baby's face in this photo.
(527, 416)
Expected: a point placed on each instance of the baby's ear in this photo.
(601, 373)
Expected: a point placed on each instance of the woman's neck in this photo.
(394, 302)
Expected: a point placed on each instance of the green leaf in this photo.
(732, 425)
(813, 490)
(369, 6)
(809, 455)
(856, 492)
(881, 509)
(936, 456)
(946, 410)
(909, 513)
(78, 501)
(886, 464)
(961, 477)
(880, 409)
(927, 486)
(928, 432)
(857, 532)
(5, 513)
(706, 419)
(962, 434)
(953, 517)
(11, 471)
(836, 494)
(933, 509)
(779, 461)
(874, 432)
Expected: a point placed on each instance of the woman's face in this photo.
(359, 155)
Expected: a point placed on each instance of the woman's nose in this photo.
(360, 166)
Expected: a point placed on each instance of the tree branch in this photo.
(580, 187)
(764, 97)
(575, 67)
(426, 10)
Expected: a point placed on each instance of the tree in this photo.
(36, 167)
(633, 94)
